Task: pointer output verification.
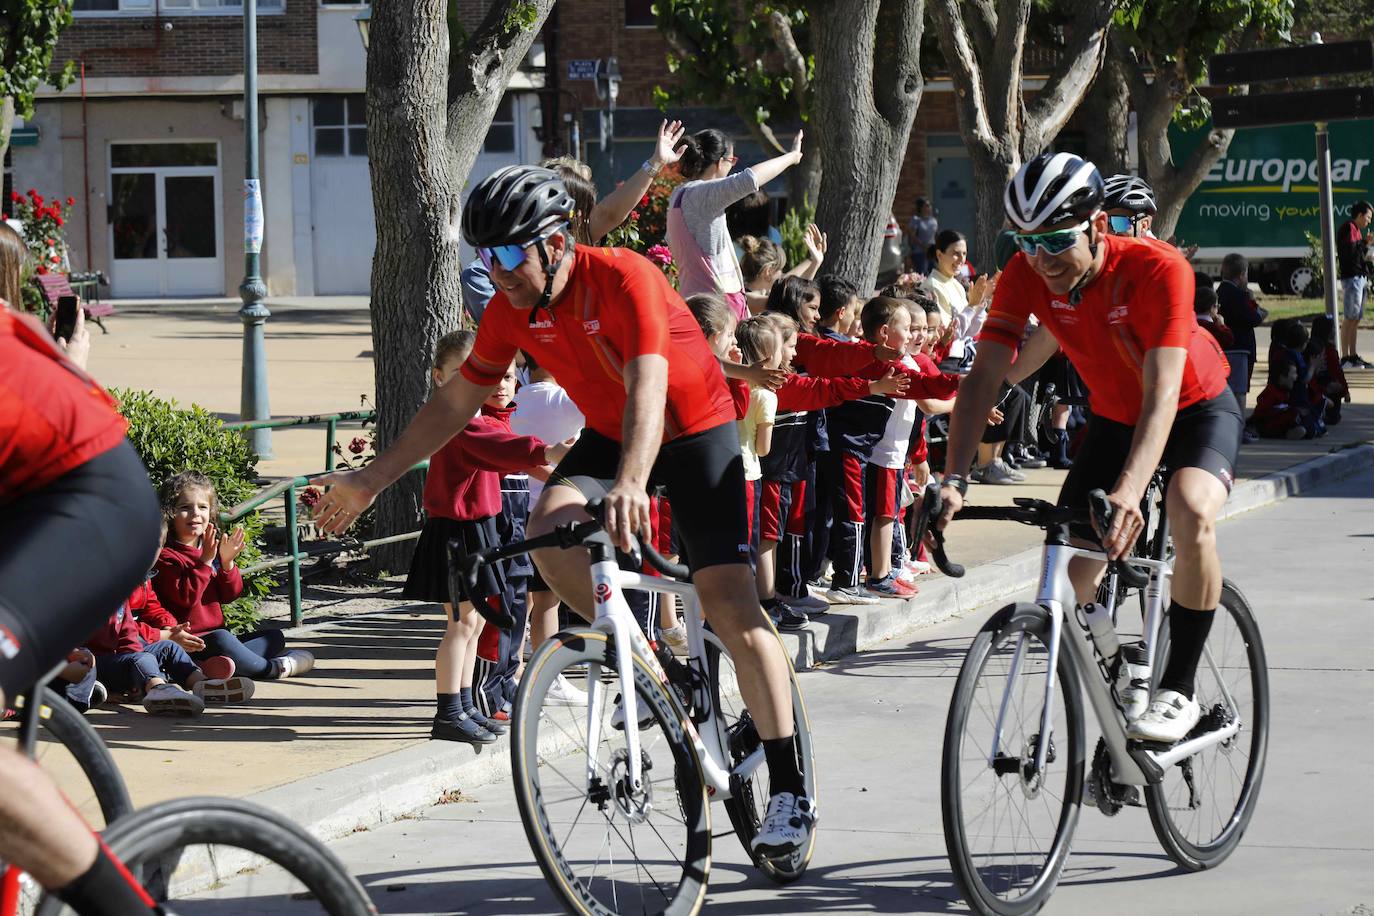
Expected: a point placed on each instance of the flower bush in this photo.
(646, 228)
(44, 224)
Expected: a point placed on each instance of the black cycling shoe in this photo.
(460, 729)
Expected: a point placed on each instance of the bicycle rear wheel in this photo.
(205, 857)
(604, 846)
(70, 751)
(1202, 807)
(749, 795)
(1007, 823)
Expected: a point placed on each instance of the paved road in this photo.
(1307, 567)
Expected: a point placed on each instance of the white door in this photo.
(344, 235)
(165, 213)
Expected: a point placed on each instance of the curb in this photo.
(374, 792)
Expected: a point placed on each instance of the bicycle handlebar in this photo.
(1035, 512)
(467, 568)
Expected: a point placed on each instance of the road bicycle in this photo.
(1014, 758)
(619, 818)
(190, 854)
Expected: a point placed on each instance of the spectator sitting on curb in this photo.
(1328, 379)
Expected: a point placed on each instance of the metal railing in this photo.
(331, 421)
(289, 489)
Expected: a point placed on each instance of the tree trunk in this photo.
(991, 172)
(1107, 109)
(6, 127)
(427, 116)
(867, 88)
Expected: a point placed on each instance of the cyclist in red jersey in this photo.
(1122, 310)
(71, 489)
(623, 344)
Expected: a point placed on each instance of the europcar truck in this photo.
(1262, 196)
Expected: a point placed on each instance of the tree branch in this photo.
(964, 73)
(494, 51)
(1004, 96)
(982, 22)
(1070, 79)
(792, 58)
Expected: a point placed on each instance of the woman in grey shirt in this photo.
(697, 233)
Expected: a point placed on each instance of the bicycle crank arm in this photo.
(1185, 749)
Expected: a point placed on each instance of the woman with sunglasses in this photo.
(1122, 310)
(697, 231)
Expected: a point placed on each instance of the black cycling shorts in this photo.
(70, 554)
(1205, 435)
(703, 475)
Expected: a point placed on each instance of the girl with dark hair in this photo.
(697, 231)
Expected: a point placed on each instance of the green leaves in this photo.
(29, 30)
(1181, 35)
(725, 53)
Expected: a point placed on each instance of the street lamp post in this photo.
(254, 314)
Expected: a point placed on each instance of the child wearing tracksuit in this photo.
(462, 498)
(855, 428)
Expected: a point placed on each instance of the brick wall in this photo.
(936, 115)
(139, 46)
(590, 29)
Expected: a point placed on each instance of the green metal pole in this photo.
(293, 544)
(254, 314)
(330, 436)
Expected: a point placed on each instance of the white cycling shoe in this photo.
(1170, 717)
(786, 826)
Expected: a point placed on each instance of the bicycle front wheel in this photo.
(1202, 807)
(606, 846)
(205, 857)
(1008, 822)
(749, 795)
(70, 750)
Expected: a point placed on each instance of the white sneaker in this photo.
(563, 693)
(675, 638)
(1171, 716)
(225, 690)
(293, 664)
(786, 825)
(171, 700)
(646, 715)
(994, 473)
(1010, 471)
(1133, 683)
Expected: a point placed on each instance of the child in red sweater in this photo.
(132, 657)
(462, 498)
(196, 576)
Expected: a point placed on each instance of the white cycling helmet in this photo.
(1129, 192)
(1051, 188)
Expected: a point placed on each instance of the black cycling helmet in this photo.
(1051, 188)
(513, 204)
(1129, 192)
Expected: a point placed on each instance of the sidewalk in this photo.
(346, 746)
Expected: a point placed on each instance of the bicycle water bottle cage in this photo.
(1102, 511)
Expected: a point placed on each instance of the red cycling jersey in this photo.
(53, 417)
(1142, 299)
(617, 306)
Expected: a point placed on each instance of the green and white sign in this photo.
(1262, 196)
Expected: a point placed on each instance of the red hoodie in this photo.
(464, 480)
(191, 592)
(124, 631)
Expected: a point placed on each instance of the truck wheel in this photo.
(1303, 281)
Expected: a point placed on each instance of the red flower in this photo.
(57, 219)
(71, 201)
(37, 199)
(32, 192)
(55, 259)
(309, 497)
(644, 201)
(634, 214)
(358, 445)
(42, 268)
(16, 197)
(52, 241)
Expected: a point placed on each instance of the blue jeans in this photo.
(251, 653)
(126, 671)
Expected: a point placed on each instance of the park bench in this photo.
(53, 286)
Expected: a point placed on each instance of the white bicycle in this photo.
(619, 818)
(1012, 780)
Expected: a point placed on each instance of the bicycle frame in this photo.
(1130, 765)
(614, 618)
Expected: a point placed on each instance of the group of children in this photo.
(1306, 384)
(167, 645)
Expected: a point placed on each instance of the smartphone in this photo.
(66, 317)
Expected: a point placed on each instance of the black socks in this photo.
(449, 706)
(783, 772)
(106, 889)
(1188, 631)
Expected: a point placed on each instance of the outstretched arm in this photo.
(612, 209)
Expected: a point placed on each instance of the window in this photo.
(155, 155)
(501, 137)
(640, 14)
(340, 125)
(172, 7)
